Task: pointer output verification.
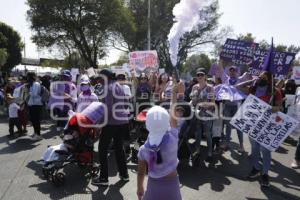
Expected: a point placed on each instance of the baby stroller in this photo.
(186, 150)
(77, 149)
(141, 134)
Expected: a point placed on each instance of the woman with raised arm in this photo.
(159, 155)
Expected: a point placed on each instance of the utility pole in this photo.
(25, 67)
(149, 25)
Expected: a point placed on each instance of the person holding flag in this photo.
(264, 89)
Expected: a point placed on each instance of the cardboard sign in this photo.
(296, 74)
(281, 62)
(142, 61)
(74, 73)
(216, 70)
(238, 52)
(248, 53)
(256, 119)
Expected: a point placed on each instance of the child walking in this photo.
(13, 108)
(159, 155)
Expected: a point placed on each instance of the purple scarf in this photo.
(153, 150)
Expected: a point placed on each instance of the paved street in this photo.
(21, 177)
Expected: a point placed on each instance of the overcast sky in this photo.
(262, 18)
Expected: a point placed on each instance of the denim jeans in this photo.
(257, 149)
(204, 127)
(297, 155)
(229, 112)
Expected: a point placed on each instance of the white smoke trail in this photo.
(186, 16)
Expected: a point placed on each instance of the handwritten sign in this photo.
(249, 53)
(281, 62)
(238, 52)
(141, 61)
(296, 74)
(256, 119)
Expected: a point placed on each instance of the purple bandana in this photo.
(153, 149)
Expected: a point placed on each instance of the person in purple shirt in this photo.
(117, 118)
(159, 155)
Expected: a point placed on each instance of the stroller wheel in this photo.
(58, 179)
(94, 171)
(45, 173)
(196, 161)
(134, 157)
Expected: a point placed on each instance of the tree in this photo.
(11, 47)
(3, 57)
(82, 26)
(265, 45)
(122, 59)
(196, 61)
(161, 23)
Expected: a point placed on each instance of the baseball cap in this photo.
(200, 71)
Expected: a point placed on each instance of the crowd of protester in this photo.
(27, 97)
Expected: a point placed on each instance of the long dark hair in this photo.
(160, 78)
(269, 88)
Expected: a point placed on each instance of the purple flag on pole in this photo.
(268, 64)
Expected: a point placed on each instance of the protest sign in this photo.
(142, 61)
(216, 70)
(238, 52)
(294, 112)
(256, 119)
(296, 74)
(91, 72)
(161, 71)
(74, 73)
(280, 62)
(247, 53)
(290, 100)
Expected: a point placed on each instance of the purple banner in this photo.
(247, 53)
(238, 52)
(281, 62)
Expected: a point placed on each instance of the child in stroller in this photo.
(141, 134)
(77, 146)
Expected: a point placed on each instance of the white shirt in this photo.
(35, 94)
(13, 110)
(127, 90)
(297, 96)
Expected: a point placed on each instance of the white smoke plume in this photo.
(186, 17)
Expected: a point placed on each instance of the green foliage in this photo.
(161, 23)
(3, 56)
(196, 61)
(264, 44)
(78, 25)
(11, 47)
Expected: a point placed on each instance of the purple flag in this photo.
(268, 64)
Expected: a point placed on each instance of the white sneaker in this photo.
(36, 137)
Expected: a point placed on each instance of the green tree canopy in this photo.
(161, 23)
(83, 26)
(3, 57)
(10, 46)
(196, 61)
(264, 44)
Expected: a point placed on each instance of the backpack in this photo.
(45, 94)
